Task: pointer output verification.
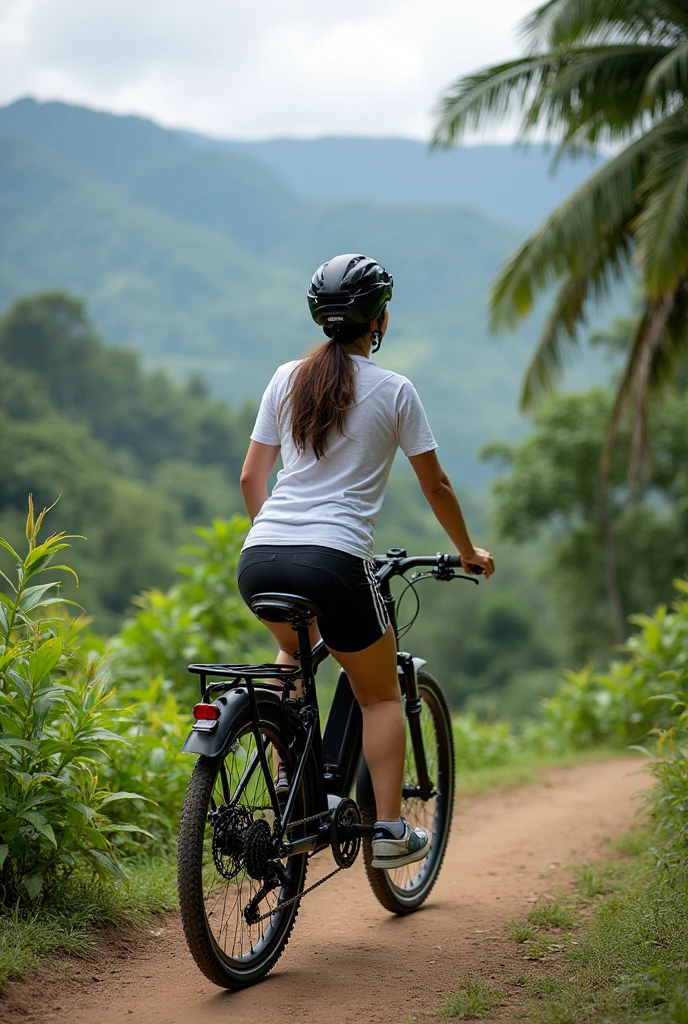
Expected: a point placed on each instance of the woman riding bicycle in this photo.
(337, 420)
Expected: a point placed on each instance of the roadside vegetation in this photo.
(91, 778)
(598, 468)
(592, 537)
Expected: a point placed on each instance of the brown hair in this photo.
(321, 390)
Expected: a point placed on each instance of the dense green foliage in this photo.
(202, 618)
(608, 554)
(57, 721)
(622, 703)
(597, 74)
(136, 459)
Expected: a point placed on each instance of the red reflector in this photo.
(205, 712)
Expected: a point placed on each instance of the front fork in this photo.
(407, 671)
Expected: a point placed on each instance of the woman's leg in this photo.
(375, 684)
(373, 677)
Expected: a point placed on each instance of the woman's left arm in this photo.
(258, 465)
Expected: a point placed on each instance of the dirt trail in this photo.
(349, 959)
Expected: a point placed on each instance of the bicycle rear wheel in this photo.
(403, 890)
(225, 830)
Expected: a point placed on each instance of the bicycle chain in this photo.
(288, 903)
(305, 821)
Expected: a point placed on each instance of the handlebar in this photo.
(396, 562)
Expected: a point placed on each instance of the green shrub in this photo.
(668, 799)
(202, 618)
(621, 706)
(151, 763)
(482, 744)
(57, 721)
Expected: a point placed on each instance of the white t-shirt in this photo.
(334, 502)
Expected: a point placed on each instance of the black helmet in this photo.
(349, 289)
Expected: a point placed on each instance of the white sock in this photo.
(397, 828)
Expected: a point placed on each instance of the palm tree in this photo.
(610, 74)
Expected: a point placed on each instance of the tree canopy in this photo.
(598, 74)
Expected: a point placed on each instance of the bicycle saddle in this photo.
(299, 611)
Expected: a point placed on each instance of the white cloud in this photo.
(255, 69)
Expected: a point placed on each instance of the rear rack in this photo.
(267, 670)
(234, 675)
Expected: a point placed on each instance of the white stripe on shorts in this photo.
(378, 601)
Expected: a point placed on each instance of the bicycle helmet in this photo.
(349, 289)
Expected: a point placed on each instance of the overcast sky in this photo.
(255, 68)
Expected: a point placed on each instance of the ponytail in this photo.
(322, 390)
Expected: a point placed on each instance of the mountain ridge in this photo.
(208, 273)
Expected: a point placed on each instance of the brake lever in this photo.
(444, 574)
(458, 576)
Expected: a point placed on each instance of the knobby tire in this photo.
(234, 956)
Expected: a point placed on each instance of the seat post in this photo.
(304, 642)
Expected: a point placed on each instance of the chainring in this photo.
(345, 847)
(229, 826)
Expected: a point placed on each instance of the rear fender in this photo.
(230, 705)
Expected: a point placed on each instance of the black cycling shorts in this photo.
(343, 586)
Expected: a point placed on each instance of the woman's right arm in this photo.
(437, 489)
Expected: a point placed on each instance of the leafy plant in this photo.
(151, 762)
(482, 744)
(203, 618)
(630, 700)
(57, 721)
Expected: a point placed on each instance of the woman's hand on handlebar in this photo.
(481, 558)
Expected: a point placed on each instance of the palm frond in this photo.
(669, 76)
(577, 22)
(493, 92)
(596, 93)
(662, 227)
(595, 212)
(592, 282)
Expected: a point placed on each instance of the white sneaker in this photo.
(390, 852)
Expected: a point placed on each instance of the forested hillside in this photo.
(199, 260)
(137, 460)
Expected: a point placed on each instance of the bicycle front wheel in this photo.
(402, 890)
(225, 830)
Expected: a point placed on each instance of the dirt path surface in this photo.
(348, 959)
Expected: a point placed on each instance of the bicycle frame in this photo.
(338, 749)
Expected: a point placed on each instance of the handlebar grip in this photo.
(455, 562)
